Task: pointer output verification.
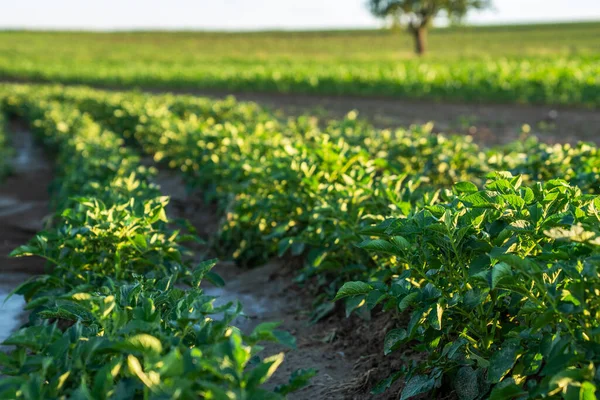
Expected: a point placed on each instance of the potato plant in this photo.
(500, 285)
(120, 313)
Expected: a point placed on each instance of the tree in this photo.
(419, 14)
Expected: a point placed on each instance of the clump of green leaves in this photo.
(500, 285)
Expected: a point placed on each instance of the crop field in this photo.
(474, 270)
(156, 245)
(545, 64)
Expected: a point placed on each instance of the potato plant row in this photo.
(500, 286)
(497, 276)
(120, 313)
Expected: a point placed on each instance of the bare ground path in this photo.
(23, 208)
(347, 352)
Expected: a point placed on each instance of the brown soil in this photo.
(348, 353)
(23, 201)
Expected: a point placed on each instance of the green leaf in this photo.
(352, 289)
(503, 360)
(135, 368)
(261, 373)
(528, 195)
(354, 302)
(385, 384)
(499, 272)
(478, 200)
(499, 185)
(416, 385)
(283, 246)
(70, 311)
(374, 298)
(215, 279)
(24, 250)
(587, 391)
(436, 316)
(238, 354)
(285, 338)
(201, 270)
(521, 225)
(508, 390)
(481, 362)
(451, 348)
(104, 379)
(140, 242)
(321, 311)
(298, 248)
(401, 243)
(513, 200)
(142, 343)
(407, 300)
(466, 384)
(299, 379)
(379, 245)
(82, 393)
(465, 187)
(393, 338)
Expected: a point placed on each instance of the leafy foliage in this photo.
(494, 271)
(421, 12)
(499, 285)
(120, 313)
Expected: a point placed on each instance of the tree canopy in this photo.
(419, 13)
(422, 11)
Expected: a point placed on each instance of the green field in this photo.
(411, 263)
(550, 64)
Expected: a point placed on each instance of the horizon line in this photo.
(284, 29)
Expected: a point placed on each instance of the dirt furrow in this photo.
(23, 208)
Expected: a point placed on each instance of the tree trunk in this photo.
(420, 35)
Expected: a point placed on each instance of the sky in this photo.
(254, 14)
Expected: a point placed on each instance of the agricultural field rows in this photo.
(553, 64)
(120, 313)
(487, 261)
